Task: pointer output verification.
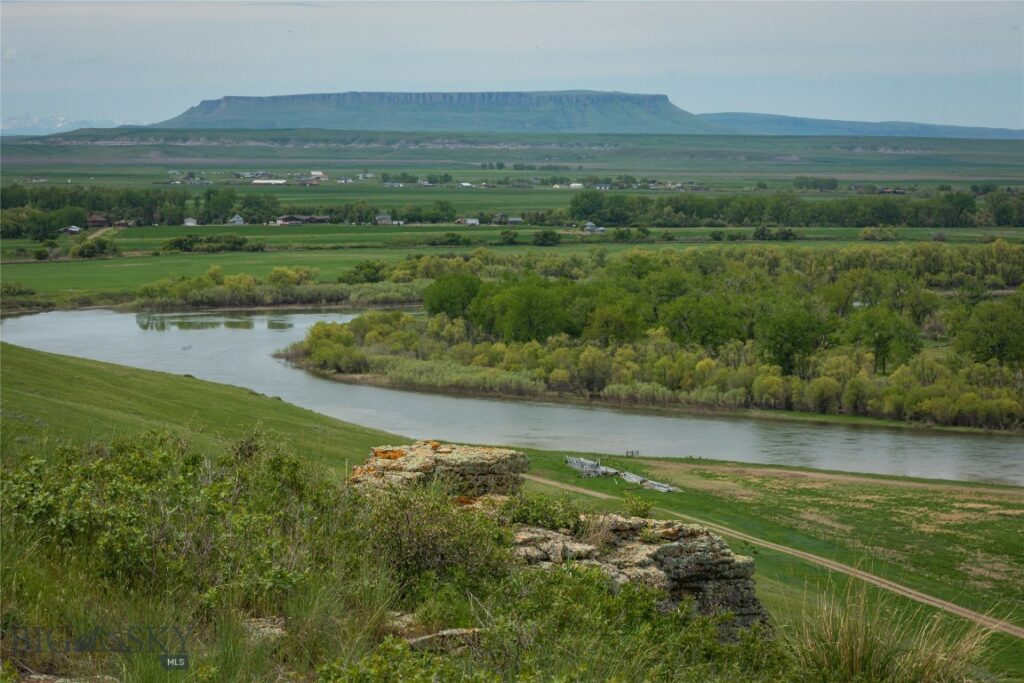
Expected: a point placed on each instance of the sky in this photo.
(141, 62)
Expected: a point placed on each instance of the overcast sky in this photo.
(140, 62)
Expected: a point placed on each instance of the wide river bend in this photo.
(237, 349)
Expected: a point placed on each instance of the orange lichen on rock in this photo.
(466, 500)
(389, 453)
(470, 470)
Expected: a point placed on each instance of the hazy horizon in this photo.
(952, 63)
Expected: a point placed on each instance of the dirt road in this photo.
(892, 586)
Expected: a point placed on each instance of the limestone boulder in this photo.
(683, 560)
(472, 471)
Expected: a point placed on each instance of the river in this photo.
(237, 349)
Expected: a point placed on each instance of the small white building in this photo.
(471, 221)
(465, 184)
(318, 174)
(190, 222)
(269, 181)
(575, 186)
(515, 220)
(236, 220)
(72, 230)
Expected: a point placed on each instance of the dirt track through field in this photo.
(892, 586)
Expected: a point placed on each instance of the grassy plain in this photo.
(957, 541)
(145, 155)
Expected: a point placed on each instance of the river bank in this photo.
(385, 382)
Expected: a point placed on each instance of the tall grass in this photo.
(845, 635)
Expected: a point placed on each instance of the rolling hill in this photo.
(771, 124)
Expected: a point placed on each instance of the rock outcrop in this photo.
(684, 560)
(470, 470)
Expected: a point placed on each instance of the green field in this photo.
(961, 542)
(122, 156)
(339, 248)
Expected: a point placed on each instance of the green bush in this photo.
(250, 524)
(15, 288)
(395, 662)
(417, 530)
(635, 506)
(95, 248)
(546, 238)
(546, 512)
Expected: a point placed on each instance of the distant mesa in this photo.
(560, 111)
(566, 111)
(571, 111)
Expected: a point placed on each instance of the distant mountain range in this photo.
(46, 125)
(569, 111)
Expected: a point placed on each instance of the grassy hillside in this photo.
(941, 538)
(48, 398)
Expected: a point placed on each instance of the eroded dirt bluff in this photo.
(686, 561)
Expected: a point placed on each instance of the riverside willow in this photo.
(841, 332)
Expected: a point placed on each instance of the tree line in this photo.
(948, 209)
(842, 334)
(39, 212)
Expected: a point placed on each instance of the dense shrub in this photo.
(283, 286)
(15, 288)
(94, 248)
(417, 530)
(546, 238)
(211, 243)
(249, 524)
(635, 506)
(544, 511)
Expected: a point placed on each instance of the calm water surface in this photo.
(236, 349)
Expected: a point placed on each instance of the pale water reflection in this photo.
(237, 349)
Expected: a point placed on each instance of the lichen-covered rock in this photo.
(401, 623)
(684, 560)
(472, 471)
(265, 628)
